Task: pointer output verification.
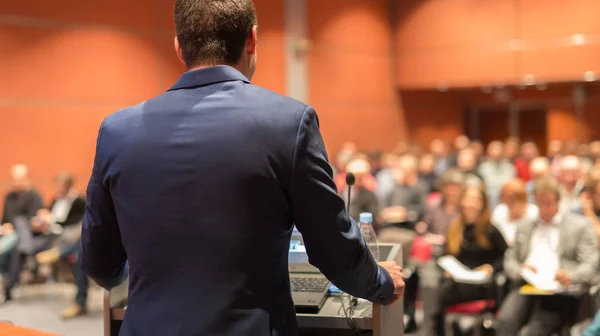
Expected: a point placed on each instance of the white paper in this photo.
(461, 273)
(543, 281)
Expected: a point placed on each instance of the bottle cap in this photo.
(366, 217)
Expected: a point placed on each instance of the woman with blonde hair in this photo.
(476, 243)
(513, 210)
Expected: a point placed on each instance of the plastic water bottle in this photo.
(366, 229)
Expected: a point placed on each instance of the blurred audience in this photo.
(476, 243)
(461, 142)
(571, 183)
(511, 149)
(514, 210)
(67, 210)
(21, 205)
(559, 246)
(467, 163)
(439, 216)
(406, 201)
(362, 199)
(529, 151)
(427, 172)
(538, 168)
(495, 171)
(590, 204)
(440, 150)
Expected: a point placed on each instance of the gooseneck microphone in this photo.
(350, 180)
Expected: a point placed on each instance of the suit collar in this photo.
(210, 75)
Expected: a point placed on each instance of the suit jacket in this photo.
(197, 191)
(76, 212)
(577, 249)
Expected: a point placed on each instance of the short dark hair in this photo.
(213, 31)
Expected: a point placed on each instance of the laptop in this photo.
(309, 285)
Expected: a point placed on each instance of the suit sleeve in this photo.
(102, 255)
(587, 256)
(333, 241)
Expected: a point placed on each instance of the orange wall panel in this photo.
(137, 14)
(77, 64)
(555, 18)
(351, 73)
(563, 63)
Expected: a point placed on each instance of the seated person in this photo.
(406, 202)
(476, 243)
(20, 206)
(67, 210)
(538, 167)
(559, 246)
(427, 172)
(496, 171)
(467, 163)
(513, 210)
(362, 199)
(571, 183)
(438, 218)
(590, 204)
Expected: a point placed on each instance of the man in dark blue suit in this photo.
(194, 194)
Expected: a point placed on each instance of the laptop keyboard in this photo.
(309, 285)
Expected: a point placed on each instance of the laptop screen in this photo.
(297, 253)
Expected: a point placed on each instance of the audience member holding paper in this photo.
(554, 252)
(476, 244)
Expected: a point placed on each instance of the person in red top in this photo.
(529, 151)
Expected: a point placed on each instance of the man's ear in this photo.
(178, 50)
(252, 41)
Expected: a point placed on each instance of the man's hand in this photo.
(395, 214)
(529, 267)
(395, 272)
(488, 269)
(563, 278)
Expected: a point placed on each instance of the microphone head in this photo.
(350, 179)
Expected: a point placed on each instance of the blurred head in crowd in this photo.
(555, 147)
(514, 195)
(389, 160)
(402, 147)
(529, 150)
(570, 171)
(451, 185)
(375, 160)
(360, 168)
(438, 147)
(583, 150)
(571, 148)
(416, 149)
(539, 167)
(344, 156)
(230, 39)
(408, 164)
(473, 211)
(495, 151)
(461, 142)
(511, 148)
(477, 148)
(63, 184)
(20, 178)
(427, 164)
(467, 160)
(594, 149)
(547, 198)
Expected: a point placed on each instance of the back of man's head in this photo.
(213, 32)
